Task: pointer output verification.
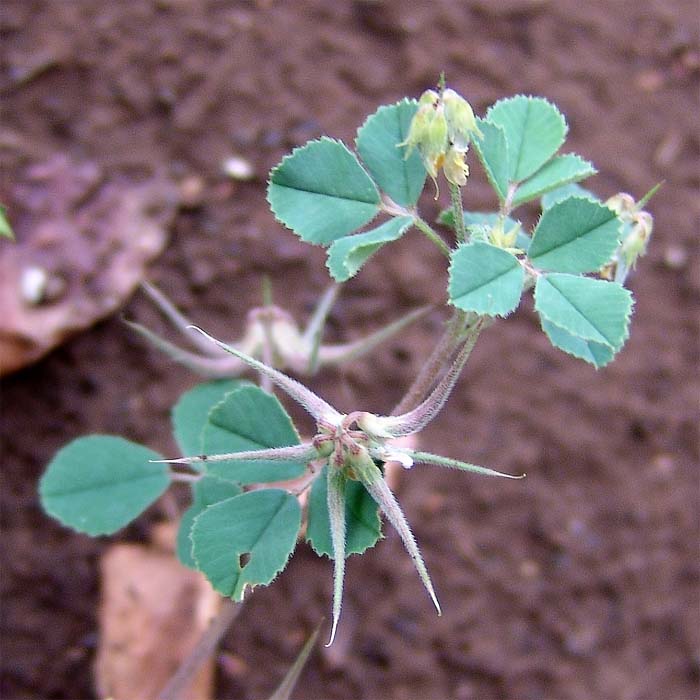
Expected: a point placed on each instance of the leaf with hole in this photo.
(347, 255)
(246, 540)
(575, 235)
(377, 144)
(485, 279)
(363, 526)
(322, 192)
(205, 492)
(250, 419)
(534, 131)
(587, 308)
(100, 483)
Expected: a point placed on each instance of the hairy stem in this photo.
(416, 419)
(431, 368)
(458, 213)
(432, 235)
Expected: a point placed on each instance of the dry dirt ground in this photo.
(579, 582)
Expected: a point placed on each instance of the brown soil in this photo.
(579, 582)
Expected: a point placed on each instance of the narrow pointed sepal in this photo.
(336, 512)
(306, 452)
(373, 480)
(336, 354)
(438, 460)
(315, 405)
(208, 366)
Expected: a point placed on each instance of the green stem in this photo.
(428, 373)
(425, 228)
(507, 204)
(458, 213)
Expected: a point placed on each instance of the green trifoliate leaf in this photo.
(561, 193)
(377, 143)
(100, 483)
(250, 419)
(596, 354)
(485, 279)
(348, 254)
(560, 170)
(246, 540)
(534, 131)
(575, 235)
(362, 523)
(205, 492)
(322, 192)
(587, 308)
(5, 228)
(191, 412)
(492, 150)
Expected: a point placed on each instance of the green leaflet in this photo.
(250, 419)
(560, 170)
(564, 192)
(485, 279)
(575, 235)
(190, 414)
(205, 492)
(100, 483)
(594, 353)
(589, 309)
(492, 150)
(260, 524)
(534, 131)
(322, 192)
(377, 143)
(362, 523)
(348, 254)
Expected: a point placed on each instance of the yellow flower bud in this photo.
(435, 144)
(461, 122)
(635, 244)
(455, 167)
(419, 130)
(429, 97)
(622, 204)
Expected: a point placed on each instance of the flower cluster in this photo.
(441, 131)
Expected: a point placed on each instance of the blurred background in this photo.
(123, 123)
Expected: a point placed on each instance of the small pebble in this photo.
(675, 257)
(37, 286)
(32, 285)
(238, 168)
(191, 192)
